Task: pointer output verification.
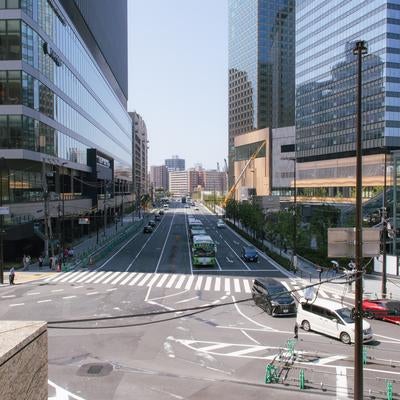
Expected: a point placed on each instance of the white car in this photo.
(220, 224)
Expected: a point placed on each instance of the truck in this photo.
(183, 199)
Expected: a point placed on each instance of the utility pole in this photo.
(2, 166)
(63, 211)
(384, 231)
(122, 191)
(104, 207)
(359, 50)
(46, 211)
(295, 216)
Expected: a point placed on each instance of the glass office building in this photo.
(58, 100)
(261, 67)
(326, 32)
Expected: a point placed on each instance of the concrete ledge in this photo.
(23, 360)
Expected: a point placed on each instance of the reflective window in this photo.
(10, 40)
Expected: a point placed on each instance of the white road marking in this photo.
(236, 285)
(33, 294)
(187, 300)
(136, 278)
(57, 277)
(86, 276)
(111, 277)
(128, 278)
(162, 280)
(180, 282)
(327, 360)
(198, 283)
(165, 242)
(171, 281)
(78, 287)
(16, 304)
(44, 301)
(227, 285)
(246, 351)
(95, 275)
(341, 383)
(213, 347)
(188, 245)
(66, 277)
(189, 282)
(246, 286)
(229, 260)
(145, 279)
(240, 258)
(57, 290)
(9, 296)
(217, 286)
(153, 280)
(69, 297)
(248, 336)
(76, 277)
(208, 283)
(111, 290)
(98, 280)
(218, 264)
(119, 278)
(91, 293)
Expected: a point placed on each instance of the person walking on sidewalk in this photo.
(40, 260)
(51, 262)
(11, 276)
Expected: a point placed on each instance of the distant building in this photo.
(159, 177)
(175, 164)
(214, 180)
(179, 183)
(139, 154)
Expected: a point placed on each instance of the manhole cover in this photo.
(95, 369)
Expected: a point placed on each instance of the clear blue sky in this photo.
(178, 77)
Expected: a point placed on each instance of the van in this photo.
(331, 319)
(273, 297)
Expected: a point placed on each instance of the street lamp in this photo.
(359, 50)
(63, 210)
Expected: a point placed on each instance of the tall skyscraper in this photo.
(159, 177)
(175, 164)
(326, 33)
(261, 67)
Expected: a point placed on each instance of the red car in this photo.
(384, 309)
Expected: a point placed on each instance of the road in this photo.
(218, 352)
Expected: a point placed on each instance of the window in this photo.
(13, 40)
(14, 87)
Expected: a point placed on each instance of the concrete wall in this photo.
(23, 360)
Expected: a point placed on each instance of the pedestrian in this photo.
(319, 272)
(11, 276)
(27, 260)
(296, 330)
(59, 263)
(24, 261)
(71, 253)
(40, 261)
(51, 262)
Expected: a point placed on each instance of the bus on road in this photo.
(203, 250)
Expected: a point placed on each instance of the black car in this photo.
(157, 218)
(148, 229)
(161, 212)
(249, 253)
(273, 297)
(152, 223)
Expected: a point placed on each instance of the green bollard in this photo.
(271, 374)
(290, 346)
(301, 379)
(365, 355)
(389, 390)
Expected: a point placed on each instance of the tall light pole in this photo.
(63, 210)
(384, 231)
(359, 50)
(2, 166)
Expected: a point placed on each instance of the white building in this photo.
(179, 183)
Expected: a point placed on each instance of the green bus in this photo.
(204, 250)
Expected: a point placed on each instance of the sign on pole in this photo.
(4, 210)
(84, 221)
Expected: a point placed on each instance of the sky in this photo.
(178, 77)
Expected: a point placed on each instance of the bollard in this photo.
(389, 390)
(301, 379)
(271, 374)
(290, 346)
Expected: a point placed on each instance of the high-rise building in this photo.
(215, 181)
(65, 132)
(139, 154)
(326, 95)
(179, 183)
(261, 67)
(175, 164)
(159, 177)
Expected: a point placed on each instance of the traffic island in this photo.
(23, 360)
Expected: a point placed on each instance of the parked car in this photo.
(331, 319)
(157, 217)
(384, 309)
(152, 223)
(148, 229)
(249, 253)
(161, 212)
(220, 224)
(273, 297)
(166, 206)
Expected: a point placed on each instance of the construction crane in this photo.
(226, 165)
(233, 188)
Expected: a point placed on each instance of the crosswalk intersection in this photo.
(227, 284)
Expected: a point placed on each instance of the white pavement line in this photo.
(104, 276)
(240, 258)
(86, 277)
(17, 304)
(153, 280)
(246, 284)
(136, 278)
(218, 264)
(91, 293)
(9, 296)
(248, 336)
(246, 351)
(78, 287)
(94, 276)
(111, 277)
(69, 297)
(76, 277)
(187, 300)
(33, 294)
(214, 347)
(207, 285)
(116, 280)
(198, 283)
(57, 290)
(162, 280)
(57, 277)
(341, 383)
(117, 252)
(66, 277)
(188, 245)
(44, 301)
(128, 278)
(327, 360)
(171, 281)
(111, 289)
(180, 282)
(236, 285)
(169, 295)
(227, 285)
(189, 282)
(145, 279)
(165, 243)
(217, 286)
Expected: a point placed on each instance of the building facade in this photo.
(159, 177)
(57, 103)
(215, 181)
(139, 154)
(179, 183)
(175, 164)
(261, 67)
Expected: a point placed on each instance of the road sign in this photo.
(4, 210)
(84, 221)
(341, 242)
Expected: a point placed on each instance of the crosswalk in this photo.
(187, 282)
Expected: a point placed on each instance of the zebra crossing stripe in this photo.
(57, 277)
(227, 285)
(144, 280)
(162, 280)
(79, 276)
(171, 281)
(198, 282)
(208, 283)
(103, 277)
(95, 275)
(153, 280)
(111, 277)
(180, 282)
(236, 285)
(66, 278)
(85, 277)
(116, 280)
(217, 286)
(246, 286)
(136, 278)
(189, 282)
(128, 278)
